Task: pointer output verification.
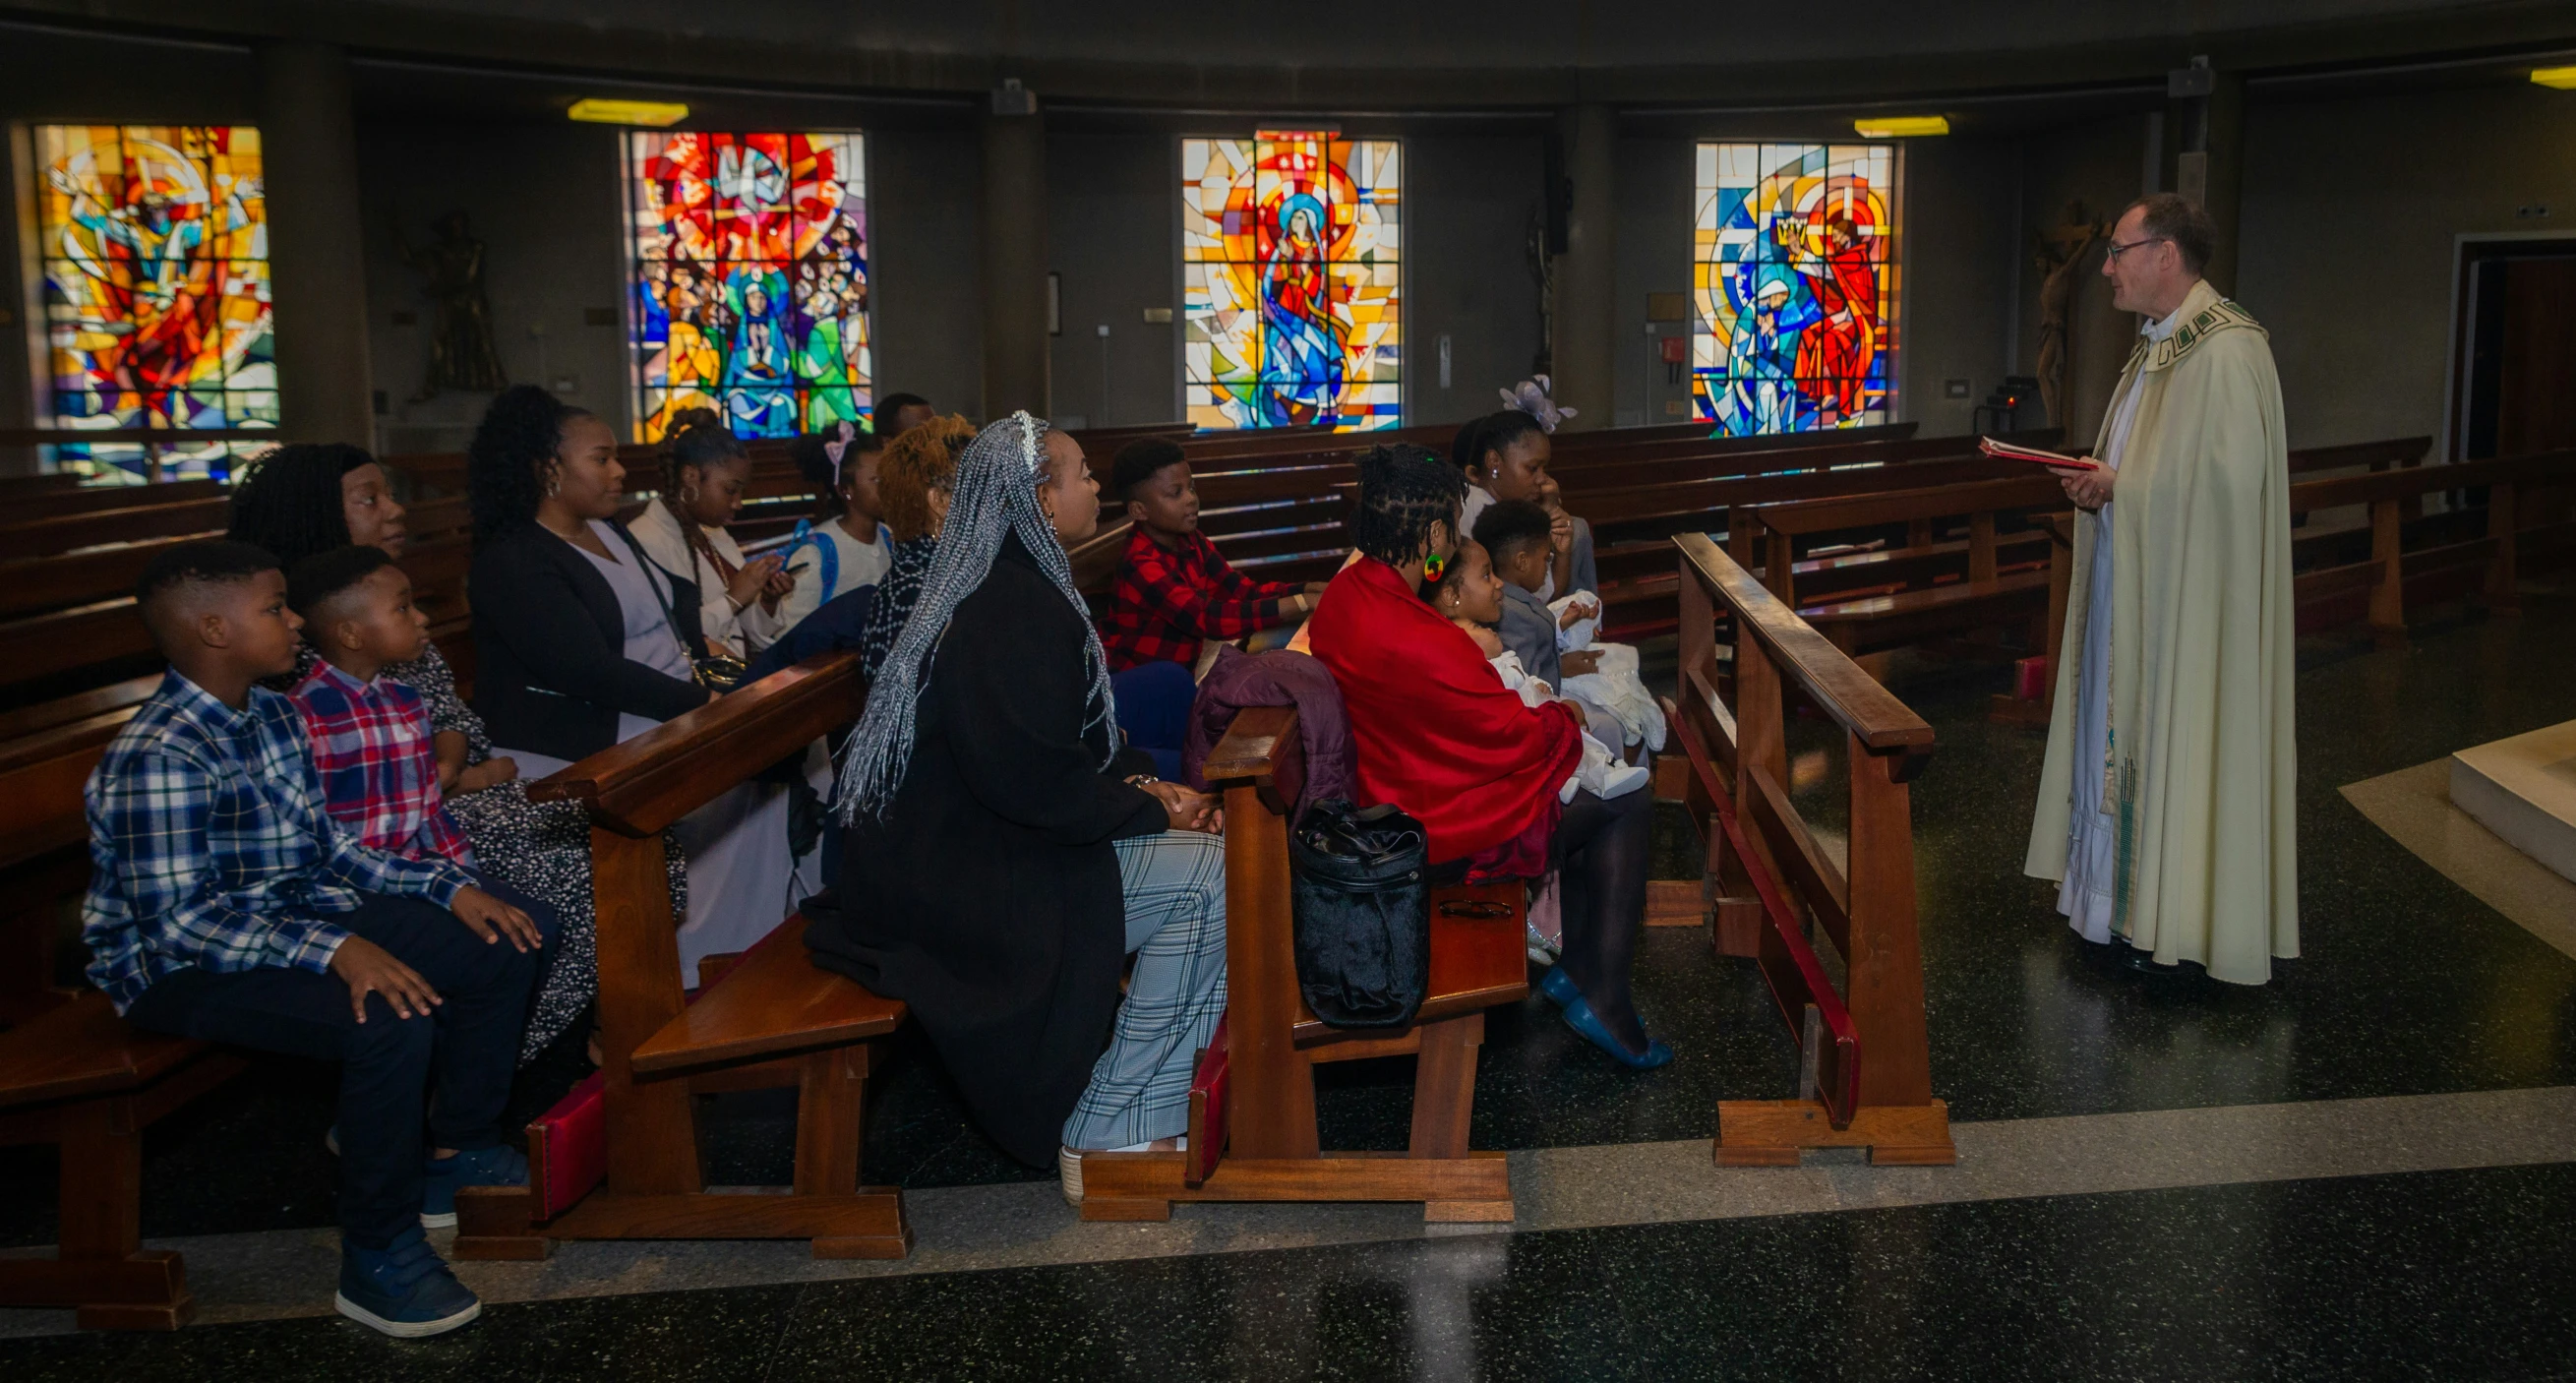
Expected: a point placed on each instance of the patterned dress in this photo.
(541, 849)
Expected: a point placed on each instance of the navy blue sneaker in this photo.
(403, 1289)
(497, 1166)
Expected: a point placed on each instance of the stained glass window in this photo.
(749, 262)
(1794, 272)
(153, 245)
(1291, 283)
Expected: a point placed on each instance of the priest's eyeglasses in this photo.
(2117, 249)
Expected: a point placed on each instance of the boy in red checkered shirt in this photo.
(1174, 594)
(371, 736)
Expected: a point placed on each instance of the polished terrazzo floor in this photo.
(2409, 986)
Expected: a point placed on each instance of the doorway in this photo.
(2513, 347)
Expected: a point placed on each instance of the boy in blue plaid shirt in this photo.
(226, 905)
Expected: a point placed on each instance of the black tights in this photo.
(1600, 855)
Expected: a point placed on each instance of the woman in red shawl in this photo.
(1438, 734)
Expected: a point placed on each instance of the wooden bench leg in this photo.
(829, 1102)
(101, 1268)
(1444, 1104)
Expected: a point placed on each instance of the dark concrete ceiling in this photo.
(1392, 55)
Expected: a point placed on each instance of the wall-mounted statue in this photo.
(2065, 256)
(460, 342)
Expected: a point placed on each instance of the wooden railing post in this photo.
(2503, 569)
(2388, 596)
(1886, 960)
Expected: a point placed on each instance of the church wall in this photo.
(1955, 289)
(2350, 210)
(545, 201)
(1467, 271)
(923, 247)
(1112, 236)
(2102, 164)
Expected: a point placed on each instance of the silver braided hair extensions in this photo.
(996, 495)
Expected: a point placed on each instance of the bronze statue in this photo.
(2063, 254)
(460, 342)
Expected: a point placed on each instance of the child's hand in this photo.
(1582, 661)
(367, 968)
(491, 919)
(490, 773)
(1577, 613)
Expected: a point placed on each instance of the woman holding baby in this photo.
(1439, 734)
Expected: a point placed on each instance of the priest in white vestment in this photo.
(2167, 807)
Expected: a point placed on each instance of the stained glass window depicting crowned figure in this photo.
(152, 243)
(1292, 287)
(1795, 286)
(748, 288)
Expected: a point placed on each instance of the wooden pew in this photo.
(104, 572)
(1866, 1079)
(774, 1019)
(79, 1077)
(2522, 528)
(106, 632)
(1924, 606)
(59, 501)
(1261, 1144)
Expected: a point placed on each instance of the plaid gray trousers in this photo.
(1140, 1088)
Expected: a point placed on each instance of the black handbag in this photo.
(1361, 906)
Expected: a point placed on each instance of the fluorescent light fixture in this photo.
(2563, 78)
(1900, 126)
(654, 113)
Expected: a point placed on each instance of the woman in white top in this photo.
(849, 546)
(704, 473)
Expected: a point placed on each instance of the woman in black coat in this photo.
(1002, 857)
(581, 642)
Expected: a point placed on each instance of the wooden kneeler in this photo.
(770, 1020)
(1867, 1055)
(1253, 1132)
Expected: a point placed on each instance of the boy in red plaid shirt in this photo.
(370, 734)
(1174, 593)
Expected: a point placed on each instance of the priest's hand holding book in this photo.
(2088, 489)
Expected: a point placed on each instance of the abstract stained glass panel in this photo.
(153, 246)
(749, 274)
(1292, 283)
(1795, 286)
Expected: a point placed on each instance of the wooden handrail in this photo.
(2333, 493)
(639, 787)
(1861, 511)
(1849, 696)
(2399, 451)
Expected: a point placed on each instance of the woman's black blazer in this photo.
(551, 672)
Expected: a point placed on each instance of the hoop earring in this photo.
(1432, 567)
(688, 494)
(554, 485)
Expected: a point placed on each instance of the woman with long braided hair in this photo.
(1003, 853)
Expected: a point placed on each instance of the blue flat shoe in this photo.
(1580, 1017)
(494, 1166)
(1558, 986)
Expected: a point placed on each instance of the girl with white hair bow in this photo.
(1003, 853)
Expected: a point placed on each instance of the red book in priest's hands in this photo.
(2055, 460)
